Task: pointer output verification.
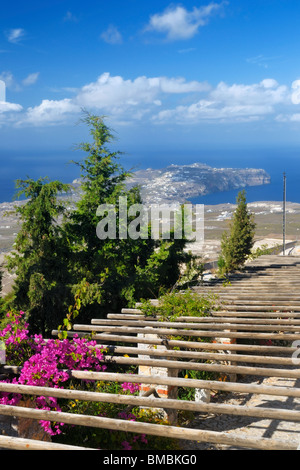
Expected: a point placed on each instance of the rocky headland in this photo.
(183, 182)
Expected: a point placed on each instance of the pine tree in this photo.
(105, 267)
(116, 271)
(40, 254)
(237, 244)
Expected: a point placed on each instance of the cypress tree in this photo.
(237, 244)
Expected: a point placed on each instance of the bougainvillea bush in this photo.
(46, 363)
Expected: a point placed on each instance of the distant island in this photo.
(182, 182)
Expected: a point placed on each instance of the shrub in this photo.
(237, 245)
(180, 304)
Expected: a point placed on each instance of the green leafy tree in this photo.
(237, 244)
(40, 254)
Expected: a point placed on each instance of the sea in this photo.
(276, 162)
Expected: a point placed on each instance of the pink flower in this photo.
(131, 387)
(126, 445)
(46, 361)
(128, 416)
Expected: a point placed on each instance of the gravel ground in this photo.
(250, 427)
(8, 426)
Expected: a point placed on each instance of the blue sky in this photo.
(167, 75)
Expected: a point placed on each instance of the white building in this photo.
(2, 91)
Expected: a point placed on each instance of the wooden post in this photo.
(232, 377)
(163, 391)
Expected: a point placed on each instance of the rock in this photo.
(31, 428)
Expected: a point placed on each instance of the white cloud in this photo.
(112, 35)
(70, 17)
(179, 85)
(168, 100)
(17, 85)
(205, 110)
(2, 91)
(295, 97)
(8, 79)
(8, 113)
(267, 92)
(31, 79)
(126, 100)
(237, 102)
(6, 107)
(263, 61)
(15, 35)
(295, 117)
(178, 23)
(115, 91)
(49, 112)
